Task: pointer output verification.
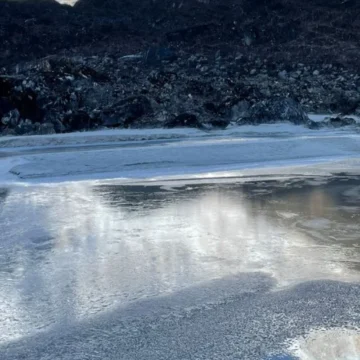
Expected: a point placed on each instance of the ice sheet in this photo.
(176, 154)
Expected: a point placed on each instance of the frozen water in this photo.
(73, 251)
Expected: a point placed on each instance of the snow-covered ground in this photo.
(160, 154)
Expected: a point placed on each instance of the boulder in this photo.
(11, 119)
(340, 121)
(28, 128)
(211, 108)
(273, 111)
(239, 110)
(5, 106)
(46, 129)
(6, 86)
(184, 120)
(25, 100)
(315, 125)
(25, 128)
(335, 122)
(345, 103)
(52, 117)
(154, 56)
(127, 112)
(78, 120)
(218, 123)
(160, 78)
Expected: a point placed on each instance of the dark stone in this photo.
(160, 78)
(6, 87)
(218, 123)
(110, 120)
(273, 111)
(344, 104)
(62, 66)
(340, 121)
(79, 120)
(46, 129)
(154, 56)
(5, 106)
(211, 108)
(239, 110)
(11, 119)
(26, 102)
(52, 117)
(247, 92)
(199, 88)
(190, 32)
(8, 132)
(58, 126)
(126, 112)
(184, 120)
(335, 122)
(314, 125)
(25, 128)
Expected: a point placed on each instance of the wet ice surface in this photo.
(186, 272)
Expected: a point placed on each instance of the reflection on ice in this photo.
(70, 252)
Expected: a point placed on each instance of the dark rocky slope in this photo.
(175, 63)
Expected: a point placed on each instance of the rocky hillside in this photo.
(317, 30)
(198, 63)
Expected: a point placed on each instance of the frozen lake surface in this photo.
(136, 272)
(181, 244)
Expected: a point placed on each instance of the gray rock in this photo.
(8, 132)
(345, 103)
(58, 126)
(183, 120)
(335, 122)
(273, 111)
(79, 120)
(25, 128)
(5, 105)
(11, 119)
(283, 75)
(52, 117)
(217, 123)
(239, 110)
(339, 121)
(46, 129)
(315, 125)
(127, 112)
(192, 61)
(154, 56)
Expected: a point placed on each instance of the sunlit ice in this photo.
(324, 344)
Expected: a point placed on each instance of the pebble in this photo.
(283, 74)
